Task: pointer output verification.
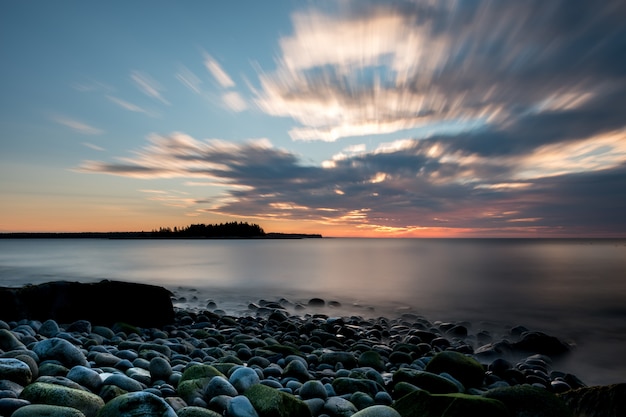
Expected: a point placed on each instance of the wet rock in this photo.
(243, 378)
(433, 383)
(597, 401)
(8, 341)
(15, 370)
(538, 342)
(192, 411)
(67, 302)
(526, 400)
(313, 389)
(241, 406)
(44, 393)
(86, 377)
(9, 405)
(377, 411)
(269, 402)
(60, 350)
(464, 368)
(339, 407)
(135, 404)
(420, 403)
(45, 410)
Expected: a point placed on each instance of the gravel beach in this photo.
(279, 358)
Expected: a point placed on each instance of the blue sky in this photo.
(349, 118)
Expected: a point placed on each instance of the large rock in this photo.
(433, 383)
(44, 410)
(102, 303)
(420, 403)
(135, 404)
(526, 400)
(270, 402)
(599, 401)
(43, 393)
(464, 368)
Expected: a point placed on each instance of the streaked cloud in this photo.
(500, 117)
(370, 68)
(234, 101)
(148, 86)
(217, 72)
(418, 184)
(130, 106)
(94, 146)
(76, 125)
(189, 79)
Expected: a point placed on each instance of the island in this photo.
(229, 230)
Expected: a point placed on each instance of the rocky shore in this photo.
(272, 361)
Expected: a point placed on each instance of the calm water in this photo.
(574, 289)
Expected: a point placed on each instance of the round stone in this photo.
(137, 404)
(15, 370)
(86, 377)
(60, 350)
(241, 406)
(47, 411)
(49, 328)
(243, 378)
(160, 369)
(313, 389)
(220, 386)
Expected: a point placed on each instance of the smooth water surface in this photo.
(574, 289)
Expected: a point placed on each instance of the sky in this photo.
(347, 118)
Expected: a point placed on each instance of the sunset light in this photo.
(348, 118)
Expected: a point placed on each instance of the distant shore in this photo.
(149, 235)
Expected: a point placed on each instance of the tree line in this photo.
(231, 229)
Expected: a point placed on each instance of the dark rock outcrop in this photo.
(102, 303)
(598, 401)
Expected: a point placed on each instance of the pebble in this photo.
(207, 363)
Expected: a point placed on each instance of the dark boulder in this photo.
(598, 401)
(101, 303)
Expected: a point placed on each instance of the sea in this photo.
(574, 289)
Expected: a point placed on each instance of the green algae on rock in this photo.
(420, 403)
(270, 402)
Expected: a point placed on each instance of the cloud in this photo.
(130, 106)
(94, 147)
(189, 79)
(76, 125)
(378, 67)
(148, 86)
(218, 72)
(405, 186)
(234, 101)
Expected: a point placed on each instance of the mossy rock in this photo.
(225, 367)
(283, 349)
(526, 400)
(377, 411)
(137, 404)
(192, 411)
(194, 381)
(344, 385)
(462, 367)
(371, 359)
(46, 410)
(270, 402)
(420, 403)
(433, 383)
(51, 394)
(199, 372)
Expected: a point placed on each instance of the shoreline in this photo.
(308, 360)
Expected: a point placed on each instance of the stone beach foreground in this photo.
(276, 360)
